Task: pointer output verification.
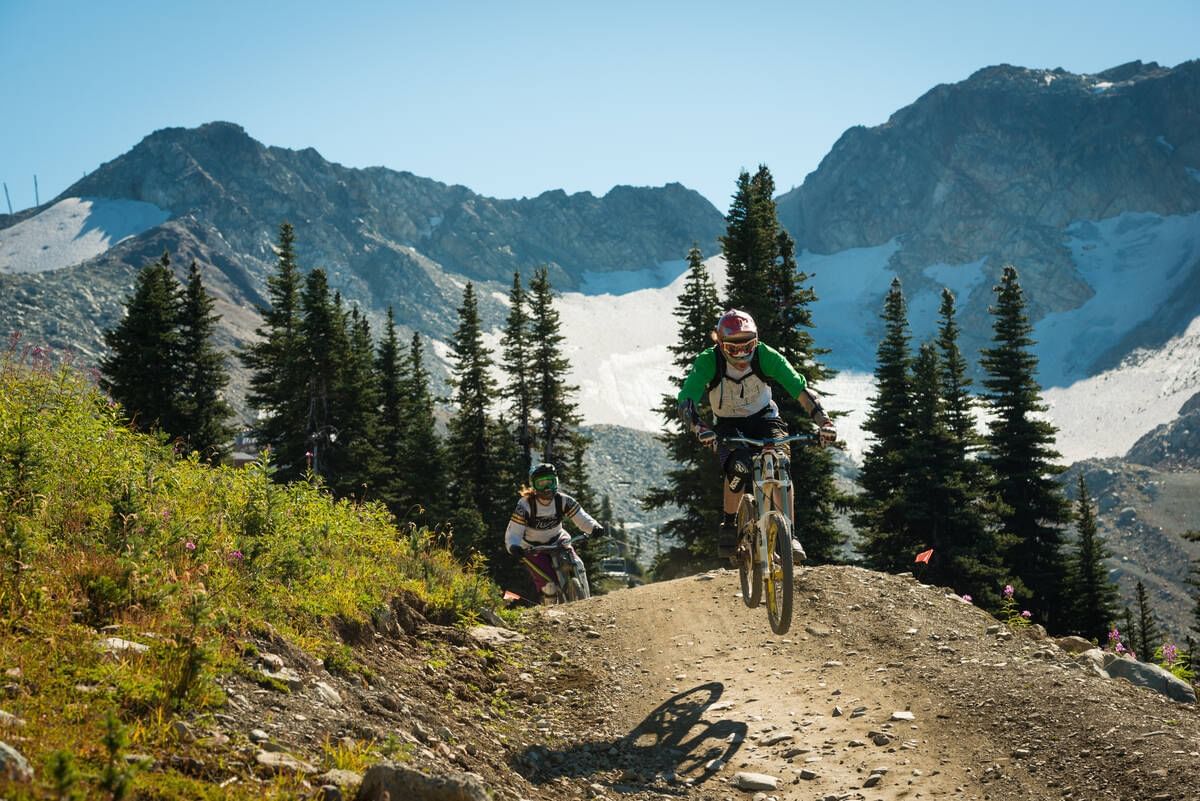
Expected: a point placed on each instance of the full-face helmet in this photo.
(736, 335)
(544, 479)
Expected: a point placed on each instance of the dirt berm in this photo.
(883, 689)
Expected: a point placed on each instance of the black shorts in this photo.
(756, 426)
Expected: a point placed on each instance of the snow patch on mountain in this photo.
(1105, 414)
(1142, 256)
(72, 231)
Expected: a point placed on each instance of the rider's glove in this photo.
(517, 551)
(826, 432)
(707, 437)
(597, 532)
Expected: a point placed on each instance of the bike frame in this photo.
(562, 559)
(770, 479)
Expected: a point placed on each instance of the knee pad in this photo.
(738, 470)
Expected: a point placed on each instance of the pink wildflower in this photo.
(236, 556)
(191, 546)
(1027, 614)
(1008, 590)
(966, 599)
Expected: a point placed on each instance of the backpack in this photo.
(719, 375)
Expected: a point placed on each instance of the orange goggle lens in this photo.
(739, 350)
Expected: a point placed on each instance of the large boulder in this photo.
(394, 782)
(1156, 678)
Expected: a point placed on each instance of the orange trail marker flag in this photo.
(509, 595)
(924, 556)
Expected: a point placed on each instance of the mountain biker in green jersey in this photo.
(735, 373)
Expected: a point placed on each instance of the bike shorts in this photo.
(756, 426)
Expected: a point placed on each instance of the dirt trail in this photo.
(676, 687)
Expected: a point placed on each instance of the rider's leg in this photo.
(737, 480)
(542, 573)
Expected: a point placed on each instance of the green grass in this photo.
(101, 526)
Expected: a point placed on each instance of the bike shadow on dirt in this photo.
(675, 748)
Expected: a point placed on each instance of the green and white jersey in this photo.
(740, 392)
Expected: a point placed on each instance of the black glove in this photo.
(517, 551)
(597, 531)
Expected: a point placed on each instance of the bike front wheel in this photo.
(779, 581)
(749, 570)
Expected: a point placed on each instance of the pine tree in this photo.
(516, 362)
(1020, 453)
(324, 342)
(277, 385)
(955, 383)
(142, 370)
(552, 395)
(470, 448)
(694, 486)
(423, 463)
(881, 517)
(1093, 596)
(203, 411)
(391, 486)
(1129, 630)
(356, 413)
(937, 497)
(968, 555)
(763, 279)
(1148, 634)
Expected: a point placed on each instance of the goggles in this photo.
(545, 483)
(739, 350)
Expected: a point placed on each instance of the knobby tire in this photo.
(748, 569)
(779, 582)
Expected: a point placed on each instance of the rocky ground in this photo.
(884, 689)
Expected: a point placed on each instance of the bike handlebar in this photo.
(771, 440)
(554, 546)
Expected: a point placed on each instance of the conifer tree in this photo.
(1129, 630)
(470, 448)
(1148, 634)
(694, 486)
(323, 337)
(881, 517)
(763, 279)
(204, 414)
(142, 370)
(553, 397)
(356, 412)
(516, 360)
(390, 366)
(955, 383)
(940, 506)
(277, 386)
(422, 461)
(1021, 455)
(1093, 596)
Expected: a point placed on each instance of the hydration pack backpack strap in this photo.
(719, 374)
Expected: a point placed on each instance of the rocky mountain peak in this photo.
(997, 167)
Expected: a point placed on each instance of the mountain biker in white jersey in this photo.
(735, 372)
(537, 520)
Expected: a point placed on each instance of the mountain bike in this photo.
(764, 530)
(570, 574)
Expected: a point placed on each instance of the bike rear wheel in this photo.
(749, 570)
(779, 582)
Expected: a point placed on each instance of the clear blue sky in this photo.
(514, 98)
